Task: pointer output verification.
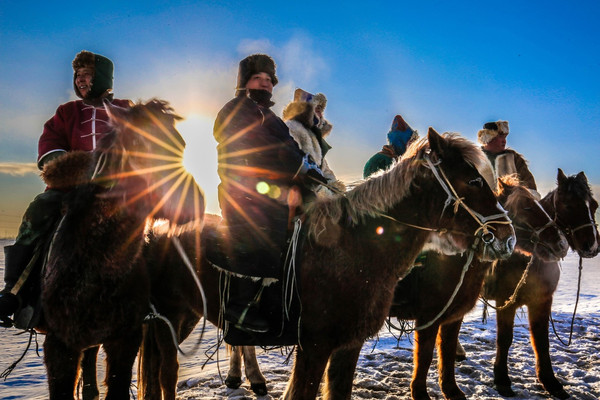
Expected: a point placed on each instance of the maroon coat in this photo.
(74, 126)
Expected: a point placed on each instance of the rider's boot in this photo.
(16, 258)
(242, 308)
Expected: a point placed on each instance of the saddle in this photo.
(279, 299)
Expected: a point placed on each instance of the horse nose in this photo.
(563, 246)
(510, 244)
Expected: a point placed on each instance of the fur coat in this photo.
(299, 117)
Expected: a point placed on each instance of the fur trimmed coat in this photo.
(299, 117)
(510, 162)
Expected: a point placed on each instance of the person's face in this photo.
(319, 111)
(262, 80)
(497, 144)
(83, 80)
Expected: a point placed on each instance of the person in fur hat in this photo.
(262, 170)
(400, 136)
(76, 125)
(504, 160)
(309, 128)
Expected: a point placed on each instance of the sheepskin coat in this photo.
(300, 118)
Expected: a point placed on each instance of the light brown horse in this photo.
(573, 207)
(95, 286)
(358, 246)
(442, 289)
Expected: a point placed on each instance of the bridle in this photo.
(535, 233)
(485, 222)
(482, 233)
(569, 231)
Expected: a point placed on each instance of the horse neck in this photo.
(548, 203)
(390, 236)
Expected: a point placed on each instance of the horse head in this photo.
(537, 233)
(142, 161)
(470, 216)
(574, 208)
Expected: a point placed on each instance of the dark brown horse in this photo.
(443, 288)
(95, 286)
(572, 206)
(358, 246)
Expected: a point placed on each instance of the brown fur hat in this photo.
(491, 130)
(253, 65)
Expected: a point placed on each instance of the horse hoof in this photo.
(233, 382)
(560, 394)
(260, 389)
(505, 391)
(460, 357)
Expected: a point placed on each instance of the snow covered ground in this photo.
(385, 366)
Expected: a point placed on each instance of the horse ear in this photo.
(561, 177)
(114, 112)
(502, 186)
(437, 143)
(581, 176)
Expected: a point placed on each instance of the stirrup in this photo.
(239, 318)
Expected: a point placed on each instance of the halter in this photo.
(484, 226)
(484, 222)
(567, 229)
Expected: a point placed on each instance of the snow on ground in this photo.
(385, 367)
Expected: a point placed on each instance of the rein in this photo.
(574, 309)
(154, 314)
(456, 289)
(485, 223)
(486, 236)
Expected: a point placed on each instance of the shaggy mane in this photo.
(380, 192)
(519, 192)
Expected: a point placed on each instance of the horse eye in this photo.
(527, 208)
(476, 182)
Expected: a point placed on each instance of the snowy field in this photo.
(385, 366)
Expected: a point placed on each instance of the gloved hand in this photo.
(315, 176)
(311, 170)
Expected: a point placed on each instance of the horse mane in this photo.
(518, 192)
(380, 192)
(576, 184)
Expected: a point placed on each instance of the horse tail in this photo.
(149, 364)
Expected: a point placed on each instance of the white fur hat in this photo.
(491, 130)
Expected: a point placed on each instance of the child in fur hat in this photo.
(76, 125)
(505, 161)
(309, 128)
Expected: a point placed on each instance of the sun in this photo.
(200, 156)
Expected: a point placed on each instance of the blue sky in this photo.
(449, 65)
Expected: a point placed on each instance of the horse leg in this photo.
(120, 356)
(88, 374)
(340, 373)
(504, 336)
(539, 315)
(309, 366)
(62, 368)
(447, 343)
(423, 354)
(461, 354)
(258, 383)
(234, 375)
